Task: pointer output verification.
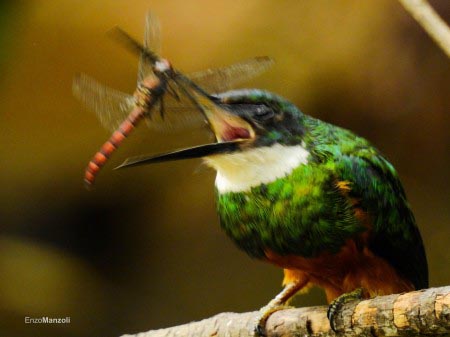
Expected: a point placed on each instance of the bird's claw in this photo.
(338, 302)
(260, 330)
(265, 313)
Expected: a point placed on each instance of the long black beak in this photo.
(189, 153)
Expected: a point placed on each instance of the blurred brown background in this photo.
(144, 249)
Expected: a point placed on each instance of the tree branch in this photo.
(418, 313)
(430, 21)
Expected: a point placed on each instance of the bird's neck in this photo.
(240, 171)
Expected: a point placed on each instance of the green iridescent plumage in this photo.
(303, 214)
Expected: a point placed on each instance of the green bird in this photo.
(310, 197)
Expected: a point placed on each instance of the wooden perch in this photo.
(418, 313)
(433, 24)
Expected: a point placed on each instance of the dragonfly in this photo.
(159, 87)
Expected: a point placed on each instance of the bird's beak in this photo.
(230, 129)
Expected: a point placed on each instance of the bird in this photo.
(309, 197)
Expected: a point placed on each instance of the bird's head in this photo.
(257, 118)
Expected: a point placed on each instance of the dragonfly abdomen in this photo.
(101, 157)
(147, 94)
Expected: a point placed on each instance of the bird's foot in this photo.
(264, 314)
(338, 302)
(278, 303)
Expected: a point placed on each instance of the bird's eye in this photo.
(263, 112)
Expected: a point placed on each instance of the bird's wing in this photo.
(373, 181)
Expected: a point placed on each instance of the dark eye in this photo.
(263, 112)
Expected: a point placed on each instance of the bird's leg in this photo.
(278, 303)
(339, 301)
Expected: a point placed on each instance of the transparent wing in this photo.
(111, 106)
(152, 41)
(174, 117)
(178, 114)
(226, 78)
(177, 110)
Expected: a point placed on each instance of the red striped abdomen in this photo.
(111, 145)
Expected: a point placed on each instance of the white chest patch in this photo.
(240, 171)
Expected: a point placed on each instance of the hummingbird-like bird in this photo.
(309, 197)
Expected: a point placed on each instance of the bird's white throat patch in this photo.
(240, 171)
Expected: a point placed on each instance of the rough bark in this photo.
(418, 313)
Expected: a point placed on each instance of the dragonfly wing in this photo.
(152, 41)
(182, 113)
(111, 106)
(173, 115)
(226, 78)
